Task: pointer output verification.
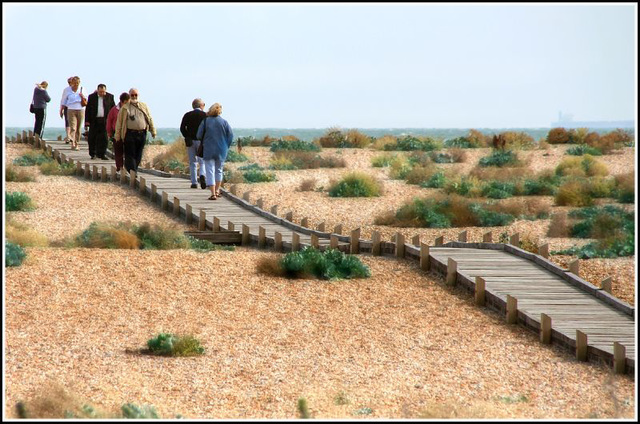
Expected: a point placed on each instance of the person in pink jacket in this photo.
(118, 146)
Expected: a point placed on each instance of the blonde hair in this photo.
(44, 85)
(215, 110)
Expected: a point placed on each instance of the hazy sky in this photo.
(322, 65)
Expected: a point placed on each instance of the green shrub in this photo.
(18, 201)
(437, 180)
(498, 189)
(257, 176)
(460, 142)
(291, 159)
(584, 166)
(441, 157)
(105, 236)
(233, 156)
(294, 145)
(167, 344)
(31, 159)
(13, 254)
(55, 168)
(500, 158)
(133, 411)
(583, 149)
(573, 193)
(489, 218)
(331, 264)
(464, 186)
(303, 409)
(206, 245)
(624, 189)
(408, 143)
(540, 187)
(600, 222)
(382, 160)
(333, 137)
(356, 184)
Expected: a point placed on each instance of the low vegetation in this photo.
(16, 201)
(411, 143)
(296, 144)
(18, 175)
(174, 159)
(167, 344)
(290, 160)
(13, 254)
(254, 173)
(32, 159)
(23, 235)
(501, 158)
(55, 168)
(330, 264)
(356, 184)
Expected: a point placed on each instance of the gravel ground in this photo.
(399, 343)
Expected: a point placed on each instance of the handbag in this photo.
(83, 100)
(32, 109)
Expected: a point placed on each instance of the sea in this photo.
(169, 135)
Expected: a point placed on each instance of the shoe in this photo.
(213, 197)
(194, 185)
(203, 182)
(93, 157)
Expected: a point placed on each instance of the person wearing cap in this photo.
(40, 100)
(134, 120)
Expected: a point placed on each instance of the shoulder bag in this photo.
(200, 152)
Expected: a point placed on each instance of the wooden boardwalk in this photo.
(527, 288)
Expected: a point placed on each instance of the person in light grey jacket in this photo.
(40, 100)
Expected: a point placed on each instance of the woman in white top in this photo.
(74, 101)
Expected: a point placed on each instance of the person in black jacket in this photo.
(40, 100)
(99, 104)
(189, 127)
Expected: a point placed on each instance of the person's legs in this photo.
(219, 164)
(91, 139)
(74, 126)
(129, 148)
(37, 128)
(141, 139)
(210, 168)
(191, 152)
(67, 127)
(118, 152)
(101, 141)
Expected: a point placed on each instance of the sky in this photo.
(321, 65)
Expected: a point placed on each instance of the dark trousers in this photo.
(98, 137)
(41, 116)
(134, 142)
(118, 152)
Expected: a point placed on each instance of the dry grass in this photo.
(23, 235)
(309, 184)
(18, 174)
(558, 226)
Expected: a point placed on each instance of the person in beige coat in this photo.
(134, 120)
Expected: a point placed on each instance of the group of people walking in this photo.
(207, 135)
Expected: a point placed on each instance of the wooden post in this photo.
(479, 295)
(544, 250)
(132, 179)
(304, 222)
(333, 241)
(545, 329)
(619, 358)
(154, 190)
(606, 285)
(295, 242)
(512, 310)
(338, 229)
(289, 216)
(143, 185)
(452, 270)
(59, 138)
(321, 227)
(278, 241)
(376, 246)
(581, 346)
(425, 262)
(188, 212)
(165, 200)
(87, 170)
(94, 172)
(399, 245)
(260, 203)
(233, 189)
(246, 195)
(487, 237)
(123, 176)
(355, 241)
(314, 241)
(63, 158)
(231, 226)
(439, 241)
(56, 156)
(245, 235)
(79, 170)
(103, 174)
(216, 223)
(574, 267)
(114, 174)
(274, 210)
(202, 220)
(262, 237)
(176, 206)
(515, 240)
(462, 236)
(416, 240)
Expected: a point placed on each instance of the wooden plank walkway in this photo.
(526, 287)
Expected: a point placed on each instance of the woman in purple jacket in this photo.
(216, 136)
(40, 100)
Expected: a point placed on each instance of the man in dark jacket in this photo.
(99, 104)
(189, 127)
